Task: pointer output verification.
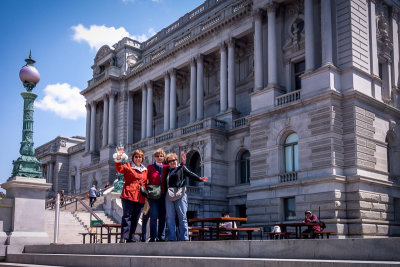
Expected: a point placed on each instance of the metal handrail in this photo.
(89, 209)
(69, 199)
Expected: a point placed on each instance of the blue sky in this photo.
(64, 36)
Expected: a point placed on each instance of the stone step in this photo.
(173, 261)
(378, 249)
(8, 264)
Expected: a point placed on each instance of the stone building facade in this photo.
(285, 105)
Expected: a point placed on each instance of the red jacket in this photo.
(313, 218)
(132, 176)
(153, 176)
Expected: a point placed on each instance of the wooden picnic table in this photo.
(218, 221)
(297, 226)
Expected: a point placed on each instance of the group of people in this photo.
(163, 185)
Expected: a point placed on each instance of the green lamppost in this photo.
(27, 164)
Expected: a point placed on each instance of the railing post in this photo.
(57, 219)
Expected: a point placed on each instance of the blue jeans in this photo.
(130, 216)
(157, 211)
(177, 208)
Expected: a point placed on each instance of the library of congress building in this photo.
(285, 105)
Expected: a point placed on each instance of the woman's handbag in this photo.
(175, 193)
(154, 191)
(143, 190)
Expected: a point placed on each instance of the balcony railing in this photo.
(287, 98)
(288, 177)
(209, 123)
(240, 122)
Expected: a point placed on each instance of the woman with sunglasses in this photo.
(135, 175)
(176, 199)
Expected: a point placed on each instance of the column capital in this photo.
(93, 103)
(231, 42)
(166, 75)
(149, 83)
(105, 96)
(199, 58)
(112, 94)
(395, 13)
(222, 45)
(193, 61)
(87, 105)
(271, 7)
(373, 1)
(172, 72)
(257, 13)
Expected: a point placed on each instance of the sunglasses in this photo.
(138, 157)
(159, 156)
(172, 160)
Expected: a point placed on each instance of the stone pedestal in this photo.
(326, 78)
(228, 116)
(28, 213)
(265, 99)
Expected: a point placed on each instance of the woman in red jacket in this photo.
(135, 175)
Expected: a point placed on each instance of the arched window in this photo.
(244, 168)
(291, 153)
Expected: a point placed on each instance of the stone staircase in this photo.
(292, 252)
(73, 222)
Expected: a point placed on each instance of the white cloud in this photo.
(97, 36)
(64, 100)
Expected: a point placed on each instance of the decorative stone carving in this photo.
(103, 51)
(385, 45)
(131, 60)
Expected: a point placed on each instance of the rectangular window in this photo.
(289, 206)
(299, 69)
(396, 204)
(241, 211)
(380, 70)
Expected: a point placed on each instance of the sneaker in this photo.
(152, 240)
(160, 240)
(130, 240)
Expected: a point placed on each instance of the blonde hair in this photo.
(138, 152)
(171, 156)
(158, 152)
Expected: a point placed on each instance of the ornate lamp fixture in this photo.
(27, 164)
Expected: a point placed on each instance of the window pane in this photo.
(296, 157)
(288, 159)
(248, 171)
(290, 209)
(293, 138)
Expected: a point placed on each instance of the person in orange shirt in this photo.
(135, 176)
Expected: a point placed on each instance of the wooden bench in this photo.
(318, 234)
(197, 232)
(281, 235)
(322, 233)
(249, 231)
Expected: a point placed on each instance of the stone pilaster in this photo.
(193, 93)
(258, 53)
(111, 126)
(172, 110)
(105, 121)
(149, 121)
(88, 116)
(223, 78)
(93, 127)
(272, 50)
(144, 110)
(166, 101)
(200, 88)
(309, 30)
(231, 74)
(326, 36)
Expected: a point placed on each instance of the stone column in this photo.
(50, 174)
(326, 33)
(166, 101)
(88, 116)
(149, 123)
(111, 120)
(373, 42)
(172, 110)
(105, 122)
(258, 65)
(200, 88)
(144, 110)
(93, 127)
(309, 38)
(130, 118)
(223, 78)
(193, 94)
(231, 74)
(272, 50)
(396, 51)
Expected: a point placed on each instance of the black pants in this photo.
(92, 200)
(130, 217)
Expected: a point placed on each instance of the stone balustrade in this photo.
(287, 98)
(240, 122)
(288, 177)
